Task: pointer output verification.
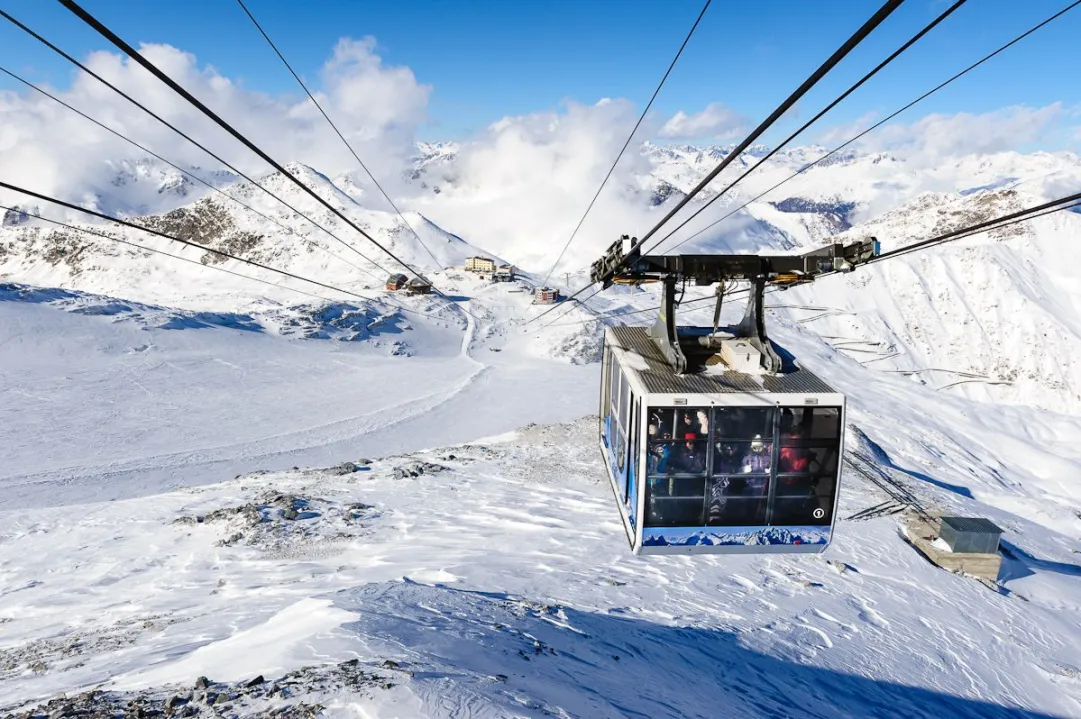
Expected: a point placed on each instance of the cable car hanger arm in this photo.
(623, 263)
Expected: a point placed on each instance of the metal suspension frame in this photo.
(623, 263)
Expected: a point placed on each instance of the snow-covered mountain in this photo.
(40, 253)
(996, 316)
(222, 497)
(844, 190)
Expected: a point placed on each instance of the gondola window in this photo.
(807, 463)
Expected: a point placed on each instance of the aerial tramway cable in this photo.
(131, 52)
(878, 124)
(335, 128)
(840, 98)
(628, 142)
(187, 137)
(1067, 203)
(883, 12)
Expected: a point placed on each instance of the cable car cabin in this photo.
(719, 461)
(715, 439)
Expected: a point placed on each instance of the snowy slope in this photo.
(496, 582)
(175, 505)
(999, 313)
(46, 255)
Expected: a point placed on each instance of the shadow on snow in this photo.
(471, 648)
(881, 456)
(1020, 564)
(337, 321)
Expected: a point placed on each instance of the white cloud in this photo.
(937, 137)
(46, 147)
(526, 181)
(715, 121)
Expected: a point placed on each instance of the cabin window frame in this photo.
(832, 456)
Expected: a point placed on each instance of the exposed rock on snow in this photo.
(417, 469)
(294, 695)
(277, 522)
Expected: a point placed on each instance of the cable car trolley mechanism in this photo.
(715, 439)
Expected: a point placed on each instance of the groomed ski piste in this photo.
(224, 500)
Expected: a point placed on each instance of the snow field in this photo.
(497, 582)
(501, 580)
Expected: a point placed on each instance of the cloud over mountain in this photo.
(715, 121)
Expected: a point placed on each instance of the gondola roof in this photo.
(657, 376)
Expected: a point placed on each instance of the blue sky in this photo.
(486, 58)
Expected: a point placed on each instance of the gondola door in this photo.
(632, 459)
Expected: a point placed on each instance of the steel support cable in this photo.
(159, 252)
(131, 52)
(881, 122)
(187, 137)
(335, 128)
(883, 12)
(992, 224)
(220, 253)
(783, 143)
(148, 151)
(1031, 213)
(628, 142)
(850, 44)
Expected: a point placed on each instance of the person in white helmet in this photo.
(757, 460)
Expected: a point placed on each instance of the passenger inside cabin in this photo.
(793, 458)
(757, 460)
(659, 455)
(728, 459)
(692, 459)
(689, 427)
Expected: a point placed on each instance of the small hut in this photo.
(396, 282)
(417, 286)
(545, 296)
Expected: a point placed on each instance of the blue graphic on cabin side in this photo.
(708, 536)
